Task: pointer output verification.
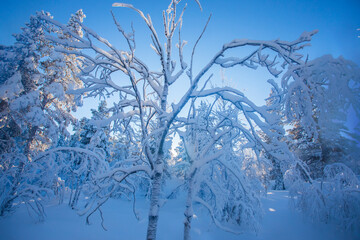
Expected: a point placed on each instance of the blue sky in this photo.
(336, 20)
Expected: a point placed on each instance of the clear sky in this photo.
(336, 20)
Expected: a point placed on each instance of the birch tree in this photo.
(142, 92)
(214, 175)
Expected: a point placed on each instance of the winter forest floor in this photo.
(279, 222)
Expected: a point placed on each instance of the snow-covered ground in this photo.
(279, 222)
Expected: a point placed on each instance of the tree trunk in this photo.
(154, 200)
(188, 208)
(75, 199)
(188, 215)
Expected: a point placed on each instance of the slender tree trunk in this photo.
(154, 200)
(188, 215)
(158, 171)
(188, 208)
(71, 194)
(76, 196)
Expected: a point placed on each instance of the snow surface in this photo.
(279, 222)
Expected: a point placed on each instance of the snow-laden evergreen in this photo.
(35, 114)
(331, 87)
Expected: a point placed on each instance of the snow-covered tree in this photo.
(87, 136)
(320, 104)
(35, 112)
(335, 199)
(330, 87)
(214, 176)
(142, 92)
